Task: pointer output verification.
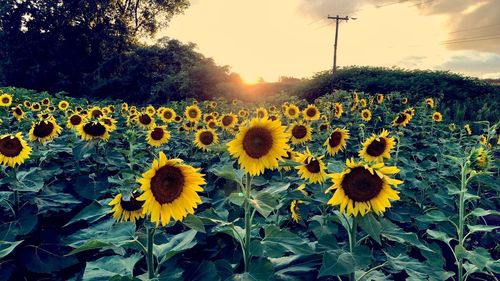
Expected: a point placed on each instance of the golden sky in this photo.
(271, 38)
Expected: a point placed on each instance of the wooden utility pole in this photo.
(337, 20)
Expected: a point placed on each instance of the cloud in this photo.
(473, 63)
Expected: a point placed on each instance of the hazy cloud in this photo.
(481, 65)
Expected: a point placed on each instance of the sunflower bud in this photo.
(480, 159)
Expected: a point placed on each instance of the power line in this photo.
(474, 28)
(469, 38)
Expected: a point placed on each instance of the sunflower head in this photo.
(127, 209)
(228, 121)
(44, 130)
(150, 110)
(437, 117)
(157, 136)
(366, 115)
(311, 113)
(380, 98)
(294, 208)
(480, 159)
(377, 147)
(63, 105)
(35, 107)
(75, 120)
(18, 113)
(204, 138)
(430, 102)
(404, 100)
(312, 168)
(145, 121)
(261, 112)
(337, 141)
(300, 133)
(193, 113)
(467, 129)
(91, 130)
(401, 120)
(291, 111)
(5, 100)
(339, 109)
(483, 140)
(13, 150)
(46, 102)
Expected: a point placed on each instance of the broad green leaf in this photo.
(278, 242)
(237, 198)
(264, 203)
(337, 262)
(480, 212)
(107, 267)
(438, 235)
(228, 172)
(90, 245)
(194, 222)
(433, 216)
(481, 228)
(177, 244)
(93, 212)
(6, 247)
(395, 233)
(260, 270)
(371, 226)
(29, 180)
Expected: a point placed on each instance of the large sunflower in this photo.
(366, 115)
(204, 138)
(5, 100)
(361, 188)
(260, 145)
(401, 120)
(192, 113)
(157, 136)
(127, 210)
(145, 121)
(228, 121)
(44, 130)
(13, 150)
(312, 168)
(93, 130)
(300, 133)
(376, 148)
(337, 141)
(170, 190)
(311, 113)
(292, 111)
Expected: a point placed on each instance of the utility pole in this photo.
(337, 20)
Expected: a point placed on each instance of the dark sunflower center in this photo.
(36, 106)
(227, 120)
(288, 155)
(131, 205)
(63, 105)
(192, 113)
(45, 102)
(299, 131)
(5, 100)
(260, 114)
(107, 122)
(360, 185)
(145, 119)
(18, 111)
(167, 114)
(75, 120)
(401, 118)
(291, 111)
(376, 147)
(335, 139)
(311, 112)
(208, 118)
(96, 113)
(257, 142)
(10, 147)
(167, 184)
(157, 134)
(177, 118)
(206, 138)
(211, 125)
(323, 127)
(94, 129)
(436, 117)
(313, 166)
(365, 114)
(43, 129)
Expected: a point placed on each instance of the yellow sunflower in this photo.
(150, 110)
(339, 109)
(35, 107)
(75, 120)
(437, 117)
(483, 140)
(192, 113)
(294, 206)
(452, 127)
(208, 117)
(63, 105)
(261, 112)
(145, 121)
(468, 129)
(212, 124)
(18, 113)
(5, 100)
(127, 210)
(311, 113)
(204, 138)
(259, 145)
(170, 190)
(376, 148)
(366, 115)
(404, 100)
(27, 104)
(109, 122)
(93, 130)
(228, 121)
(363, 103)
(312, 168)
(292, 111)
(157, 136)
(300, 133)
(242, 113)
(44, 130)
(410, 111)
(46, 102)
(361, 188)
(380, 98)
(401, 120)
(430, 102)
(13, 150)
(168, 115)
(337, 141)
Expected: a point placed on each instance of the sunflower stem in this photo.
(149, 253)
(461, 217)
(352, 242)
(248, 223)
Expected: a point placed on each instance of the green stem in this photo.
(16, 201)
(461, 218)
(352, 242)
(149, 253)
(248, 223)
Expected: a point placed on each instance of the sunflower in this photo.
(437, 117)
(5, 100)
(145, 121)
(109, 122)
(44, 130)
(380, 98)
(261, 112)
(366, 115)
(429, 102)
(452, 127)
(259, 145)
(339, 109)
(170, 190)
(323, 127)
(480, 159)
(27, 104)
(376, 148)
(300, 133)
(18, 113)
(178, 119)
(35, 107)
(192, 113)
(208, 117)
(242, 113)
(127, 210)
(312, 168)
(404, 100)
(150, 110)
(483, 140)
(95, 112)
(311, 113)
(13, 150)
(410, 111)
(93, 130)
(337, 141)
(401, 120)
(46, 102)
(168, 115)
(294, 206)
(63, 105)
(292, 111)
(75, 120)
(157, 136)
(204, 138)
(362, 102)
(212, 124)
(228, 121)
(290, 156)
(361, 188)
(468, 129)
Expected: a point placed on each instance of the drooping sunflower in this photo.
(377, 147)
(468, 130)
(362, 188)
(401, 120)
(430, 102)
(204, 138)
(294, 207)
(13, 150)
(18, 113)
(339, 109)
(5, 100)
(380, 98)
(44, 130)
(300, 133)
(366, 115)
(192, 113)
(337, 141)
(145, 121)
(362, 102)
(127, 210)
(311, 113)
(75, 120)
(228, 121)
(158, 136)
(261, 112)
(312, 168)
(63, 105)
(437, 117)
(170, 190)
(91, 130)
(292, 111)
(259, 145)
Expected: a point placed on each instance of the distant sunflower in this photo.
(300, 133)
(261, 112)
(437, 117)
(127, 210)
(404, 100)
(170, 190)
(401, 120)
(44, 130)
(75, 120)
(294, 207)
(337, 141)
(242, 113)
(483, 140)
(192, 113)
(109, 122)
(377, 147)
(27, 104)
(35, 107)
(228, 121)
(207, 118)
(63, 105)
(178, 119)
(18, 113)
(361, 188)
(380, 98)
(410, 111)
(150, 110)
(366, 115)
(323, 127)
(468, 130)
(204, 138)
(95, 112)
(452, 127)
(312, 168)
(145, 121)
(292, 111)
(168, 115)
(339, 109)
(215, 114)
(158, 136)
(260, 145)
(212, 124)
(91, 130)
(5, 100)
(311, 113)
(362, 102)
(13, 150)
(46, 102)
(430, 102)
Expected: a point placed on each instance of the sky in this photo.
(272, 38)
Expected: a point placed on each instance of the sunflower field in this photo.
(349, 187)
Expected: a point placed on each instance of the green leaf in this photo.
(371, 226)
(277, 242)
(237, 198)
(337, 262)
(395, 233)
(481, 228)
(7, 247)
(194, 222)
(260, 270)
(264, 203)
(177, 244)
(29, 180)
(107, 267)
(90, 245)
(228, 172)
(438, 235)
(480, 212)
(93, 212)
(433, 216)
